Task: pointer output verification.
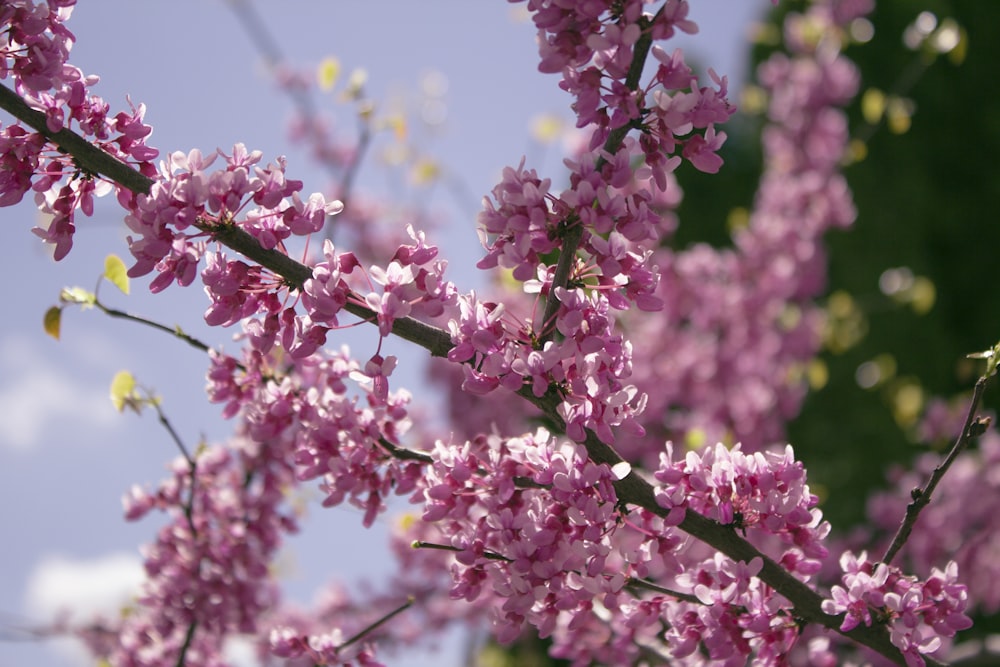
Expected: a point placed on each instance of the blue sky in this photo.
(66, 457)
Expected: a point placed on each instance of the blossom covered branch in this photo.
(542, 530)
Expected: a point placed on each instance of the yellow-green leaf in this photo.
(397, 123)
(425, 171)
(115, 272)
(77, 295)
(122, 390)
(52, 321)
(328, 73)
(546, 128)
(873, 104)
(992, 357)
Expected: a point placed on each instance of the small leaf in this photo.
(116, 273)
(546, 128)
(425, 171)
(328, 73)
(992, 357)
(873, 104)
(397, 123)
(77, 295)
(52, 321)
(123, 391)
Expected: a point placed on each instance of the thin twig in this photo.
(398, 610)
(404, 454)
(351, 171)
(173, 433)
(271, 52)
(634, 582)
(973, 427)
(192, 464)
(906, 81)
(176, 332)
(491, 555)
(188, 638)
(560, 278)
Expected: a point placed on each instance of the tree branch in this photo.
(88, 156)
(633, 489)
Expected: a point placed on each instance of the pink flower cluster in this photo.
(412, 284)
(34, 45)
(541, 549)
(335, 437)
(208, 570)
(611, 207)
(586, 365)
(267, 205)
(764, 492)
(536, 533)
(919, 613)
(260, 199)
(63, 187)
(737, 618)
(527, 223)
(593, 46)
(728, 353)
(322, 649)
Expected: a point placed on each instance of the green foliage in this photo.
(992, 357)
(123, 392)
(53, 321)
(926, 202)
(116, 273)
(910, 284)
(79, 296)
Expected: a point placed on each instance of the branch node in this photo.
(979, 426)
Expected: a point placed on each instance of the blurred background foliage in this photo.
(909, 290)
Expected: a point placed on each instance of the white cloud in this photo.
(241, 651)
(83, 588)
(79, 591)
(34, 392)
